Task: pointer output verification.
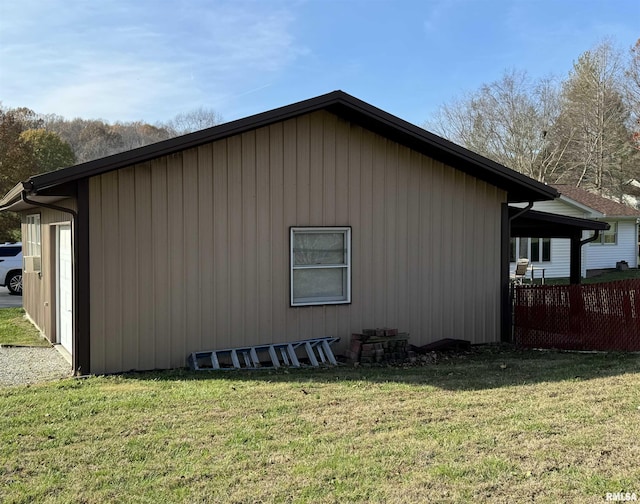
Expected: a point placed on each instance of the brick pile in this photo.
(378, 346)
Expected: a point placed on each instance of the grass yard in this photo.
(16, 330)
(609, 276)
(492, 426)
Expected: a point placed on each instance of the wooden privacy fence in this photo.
(602, 316)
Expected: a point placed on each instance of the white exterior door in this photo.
(64, 282)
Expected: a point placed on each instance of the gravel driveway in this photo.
(27, 365)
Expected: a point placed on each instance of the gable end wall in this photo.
(190, 251)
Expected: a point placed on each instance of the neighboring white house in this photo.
(620, 243)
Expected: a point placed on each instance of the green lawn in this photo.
(493, 426)
(610, 276)
(16, 330)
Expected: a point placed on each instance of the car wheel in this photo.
(14, 283)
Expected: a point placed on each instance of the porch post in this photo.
(82, 311)
(575, 259)
(505, 295)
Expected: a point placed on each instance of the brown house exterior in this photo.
(185, 245)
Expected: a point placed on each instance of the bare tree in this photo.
(138, 134)
(511, 121)
(92, 139)
(194, 120)
(594, 115)
(632, 92)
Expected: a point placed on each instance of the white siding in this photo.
(556, 206)
(593, 256)
(558, 267)
(625, 249)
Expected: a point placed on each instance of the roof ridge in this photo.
(518, 186)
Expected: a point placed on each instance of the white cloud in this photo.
(114, 90)
(146, 61)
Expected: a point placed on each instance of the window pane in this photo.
(523, 252)
(609, 237)
(36, 228)
(318, 248)
(546, 249)
(32, 246)
(320, 283)
(535, 249)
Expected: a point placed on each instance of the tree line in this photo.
(32, 143)
(583, 130)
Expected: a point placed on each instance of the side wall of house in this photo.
(593, 256)
(191, 251)
(625, 248)
(558, 266)
(38, 298)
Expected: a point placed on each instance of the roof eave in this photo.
(534, 223)
(518, 186)
(12, 198)
(619, 217)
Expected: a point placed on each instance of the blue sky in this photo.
(149, 60)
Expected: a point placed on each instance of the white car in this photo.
(11, 267)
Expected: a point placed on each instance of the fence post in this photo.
(576, 313)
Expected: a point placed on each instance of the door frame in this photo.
(56, 284)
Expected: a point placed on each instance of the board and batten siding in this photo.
(39, 295)
(190, 251)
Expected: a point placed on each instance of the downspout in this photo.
(595, 236)
(575, 256)
(23, 197)
(74, 215)
(524, 210)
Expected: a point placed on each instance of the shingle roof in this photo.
(601, 204)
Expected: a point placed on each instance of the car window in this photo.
(9, 251)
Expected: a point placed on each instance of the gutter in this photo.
(24, 199)
(14, 194)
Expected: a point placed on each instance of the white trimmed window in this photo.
(32, 245)
(534, 249)
(608, 237)
(320, 265)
